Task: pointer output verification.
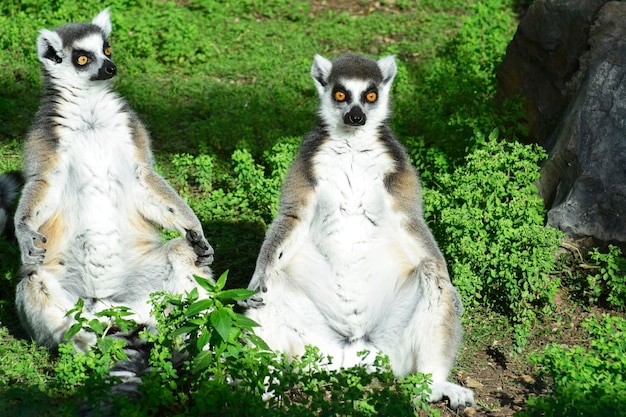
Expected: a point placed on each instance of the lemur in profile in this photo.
(85, 222)
(349, 263)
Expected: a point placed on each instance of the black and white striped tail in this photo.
(10, 185)
(127, 371)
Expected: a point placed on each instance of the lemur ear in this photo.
(320, 71)
(49, 47)
(103, 20)
(388, 67)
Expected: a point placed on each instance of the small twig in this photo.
(572, 248)
(587, 266)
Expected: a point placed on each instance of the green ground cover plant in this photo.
(225, 91)
(490, 217)
(609, 283)
(587, 381)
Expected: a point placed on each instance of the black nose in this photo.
(106, 71)
(355, 117)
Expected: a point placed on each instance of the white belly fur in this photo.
(356, 252)
(95, 180)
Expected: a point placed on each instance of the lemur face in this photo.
(353, 91)
(91, 56)
(78, 52)
(353, 100)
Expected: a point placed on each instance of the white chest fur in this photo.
(353, 256)
(96, 155)
(94, 182)
(350, 200)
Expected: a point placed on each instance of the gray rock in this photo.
(568, 62)
(542, 57)
(584, 180)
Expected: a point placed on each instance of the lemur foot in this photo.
(458, 396)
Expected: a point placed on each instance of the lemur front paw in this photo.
(257, 283)
(31, 253)
(201, 248)
(255, 301)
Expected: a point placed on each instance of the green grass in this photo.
(225, 90)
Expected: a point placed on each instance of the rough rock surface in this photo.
(573, 76)
(543, 56)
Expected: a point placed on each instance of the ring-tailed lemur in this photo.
(349, 263)
(86, 219)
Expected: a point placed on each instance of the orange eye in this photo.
(107, 51)
(371, 96)
(340, 95)
(82, 60)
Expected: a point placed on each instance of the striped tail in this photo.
(127, 371)
(10, 185)
(130, 370)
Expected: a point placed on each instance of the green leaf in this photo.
(234, 334)
(192, 295)
(183, 330)
(97, 326)
(75, 328)
(204, 283)
(203, 340)
(258, 342)
(234, 350)
(202, 361)
(78, 309)
(124, 325)
(235, 294)
(245, 322)
(222, 320)
(221, 281)
(199, 306)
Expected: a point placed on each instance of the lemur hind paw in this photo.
(458, 396)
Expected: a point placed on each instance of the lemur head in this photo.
(354, 91)
(78, 52)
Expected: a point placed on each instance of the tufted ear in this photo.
(49, 47)
(320, 71)
(103, 20)
(388, 68)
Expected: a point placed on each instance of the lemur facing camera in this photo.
(349, 263)
(85, 222)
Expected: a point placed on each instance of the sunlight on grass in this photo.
(225, 90)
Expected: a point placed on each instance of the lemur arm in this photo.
(158, 202)
(37, 201)
(288, 230)
(403, 185)
(162, 205)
